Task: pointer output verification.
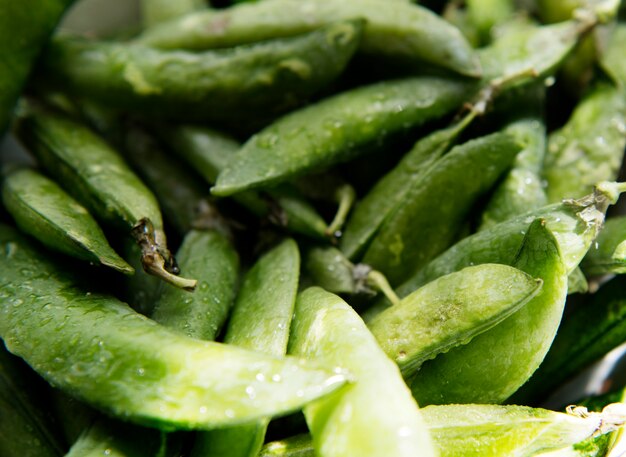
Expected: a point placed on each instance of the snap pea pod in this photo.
(156, 11)
(145, 372)
(209, 152)
(398, 30)
(26, 430)
(376, 414)
(557, 10)
(608, 254)
(589, 148)
(574, 223)
(612, 60)
(140, 290)
(337, 129)
(251, 81)
(33, 22)
(390, 191)
(484, 15)
(99, 178)
(260, 321)
(577, 282)
(585, 335)
(497, 362)
(450, 311)
(43, 210)
(487, 431)
(424, 226)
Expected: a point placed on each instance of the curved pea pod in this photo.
(608, 254)
(252, 81)
(590, 147)
(43, 210)
(586, 334)
(209, 152)
(26, 429)
(337, 129)
(98, 177)
(399, 30)
(574, 224)
(209, 257)
(119, 361)
(497, 362)
(390, 191)
(613, 59)
(450, 311)
(376, 414)
(294, 446)
(33, 21)
(427, 221)
(260, 321)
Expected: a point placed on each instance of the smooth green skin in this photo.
(260, 321)
(43, 210)
(486, 14)
(586, 335)
(399, 30)
(25, 427)
(329, 268)
(525, 48)
(390, 191)
(450, 311)
(613, 59)
(376, 414)
(561, 10)
(252, 81)
(428, 220)
(577, 282)
(522, 189)
(142, 289)
(209, 151)
(480, 431)
(590, 147)
(497, 362)
(338, 129)
(608, 254)
(575, 224)
(157, 11)
(102, 352)
(32, 21)
(89, 169)
(213, 261)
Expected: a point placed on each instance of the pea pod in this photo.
(589, 148)
(269, 294)
(612, 60)
(423, 226)
(43, 210)
(157, 11)
(374, 416)
(98, 178)
(398, 30)
(390, 191)
(337, 129)
(146, 373)
(497, 362)
(484, 15)
(214, 85)
(608, 254)
(449, 311)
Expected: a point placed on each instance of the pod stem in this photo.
(157, 260)
(612, 417)
(345, 196)
(368, 279)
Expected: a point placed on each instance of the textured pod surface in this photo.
(608, 254)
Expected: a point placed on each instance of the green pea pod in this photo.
(337, 129)
(398, 30)
(268, 294)
(589, 148)
(574, 223)
(497, 362)
(613, 60)
(210, 257)
(104, 353)
(585, 335)
(157, 11)
(252, 81)
(140, 290)
(26, 430)
(43, 210)
(390, 191)
(209, 151)
(577, 282)
(33, 21)
(608, 255)
(484, 15)
(427, 221)
(375, 415)
(487, 431)
(450, 311)
(559, 10)
(99, 178)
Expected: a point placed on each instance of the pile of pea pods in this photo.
(334, 228)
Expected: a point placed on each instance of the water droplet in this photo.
(141, 371)
(107, 452)
(405, 431)
(203, 409)
(401, 355)
(229, 413)
(251, 392)
(299, 393)
(260, 377)
(276, 377)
